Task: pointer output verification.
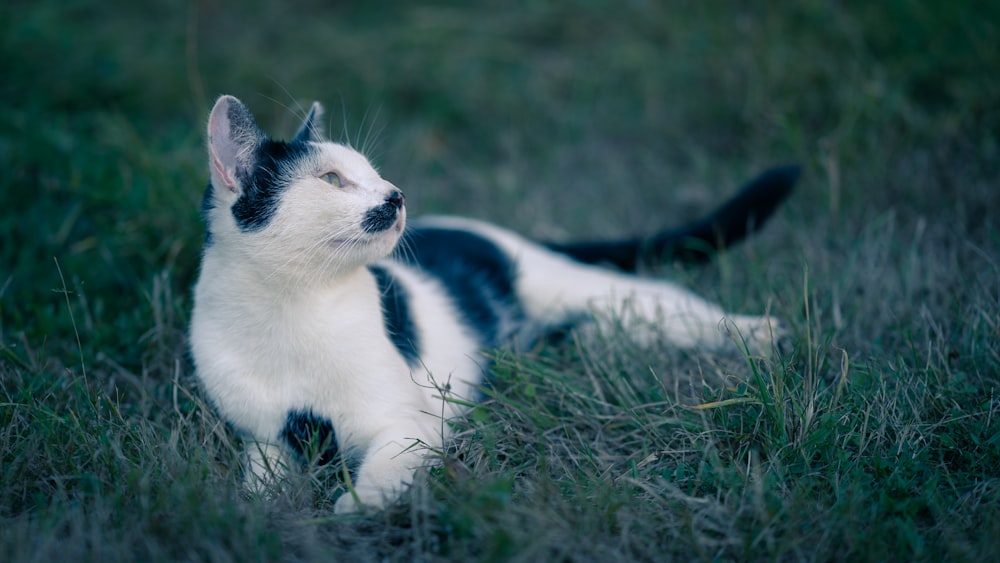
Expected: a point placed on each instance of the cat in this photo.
(317, 339)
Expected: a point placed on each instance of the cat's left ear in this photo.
(233, 140)
(309, 131)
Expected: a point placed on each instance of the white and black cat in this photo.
(310, 335)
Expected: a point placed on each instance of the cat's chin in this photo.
(393, 233)
(389, 236)
(374, 244)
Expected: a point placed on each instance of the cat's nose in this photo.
(396, 199)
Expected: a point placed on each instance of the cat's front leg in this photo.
(386, 471)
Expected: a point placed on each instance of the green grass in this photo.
(874, 435)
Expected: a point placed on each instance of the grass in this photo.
(875, 435)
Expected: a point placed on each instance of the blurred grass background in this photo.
(875, 437)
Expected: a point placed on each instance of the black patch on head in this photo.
(383, 216)
(396, 316)
(207, 205)
(264, 183)
(478, 276)
(311, 437)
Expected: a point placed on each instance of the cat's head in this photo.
(306, 207)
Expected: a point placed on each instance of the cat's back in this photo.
(477, 275)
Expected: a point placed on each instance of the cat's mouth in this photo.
(393, 231)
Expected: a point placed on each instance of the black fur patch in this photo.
(310, 436)
(384, 216)
(207, 204)
(264, 183)
(695, 242)
(396, 316)
(478, 276)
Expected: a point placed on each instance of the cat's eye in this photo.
(333, 179)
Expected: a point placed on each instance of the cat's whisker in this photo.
(345, 135)
(369, 138)
(404, 249)
(303, 254)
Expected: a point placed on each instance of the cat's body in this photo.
(307, 335)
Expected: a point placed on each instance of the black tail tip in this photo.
(781, 179)
(748, 210)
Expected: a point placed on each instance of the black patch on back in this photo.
(396, 316)
(310, 436)
(478, 276)
(265, 182)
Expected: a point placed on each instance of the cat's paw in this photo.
(346, 505)
(265, 470)
(360, 500)
(758, 335)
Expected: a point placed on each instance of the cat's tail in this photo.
(695, 242)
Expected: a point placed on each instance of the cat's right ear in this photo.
(309, 131)
(233, 139)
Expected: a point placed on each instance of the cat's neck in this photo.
(272, 281)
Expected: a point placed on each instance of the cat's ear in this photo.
(233, 138)
(309, 130)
